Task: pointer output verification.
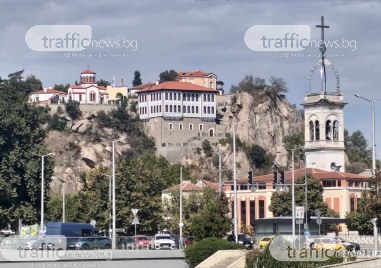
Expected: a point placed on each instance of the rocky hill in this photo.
(261, 118)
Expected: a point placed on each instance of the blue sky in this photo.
(186, 35)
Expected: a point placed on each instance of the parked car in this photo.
(348, 245)
(163, 241)
(142, 241)
(176, 239)
(243, 239)
(265, 241)
(328, 243)
(100, 242)
(188, 241)
(34, 242)
(127, 242)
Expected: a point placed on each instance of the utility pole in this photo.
(181, 208)
(63, 202)
(220, 171)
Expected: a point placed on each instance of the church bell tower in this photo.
(324, 119)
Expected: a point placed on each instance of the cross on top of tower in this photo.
(323, 48)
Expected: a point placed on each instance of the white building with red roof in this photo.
(88, 91)
(47, 96)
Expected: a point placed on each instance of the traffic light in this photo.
(250, 173)
(275, 177)
(282, 177)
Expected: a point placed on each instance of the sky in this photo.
(186, 35)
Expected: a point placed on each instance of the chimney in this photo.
(45, 89)
(157, 82)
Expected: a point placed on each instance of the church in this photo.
(87, 91)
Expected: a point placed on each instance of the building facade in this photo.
(47, 96)
(87, 91)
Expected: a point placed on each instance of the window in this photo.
(208, 110)
(212, 97)
(192, 97)
(196, 109)
(184, 109)
(317, 130)
(335, 130)
(192, 109)
(166, 95)
(243, 212)
(252, 212)
(188, 109)
(200, 127)
(212, 110)
(170, 96)
(179, 108)
(311, 131)
(174, 108)
(166, 108)
(170, 108)
(261, 204)
(352, 204)
(204, 110)
(151, 109)
(208, 97)
(196, 97)
(174, 96)
(188, 97)
(170, 126)
(211, 133)
(92, 96)
(184, 96)
(329, 183)
(160, 109)
(80, 97)
(181, 126)
(190, 126)
(328, 130)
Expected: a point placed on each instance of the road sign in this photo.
(318, 220)
(134, 211)
(135, 221)
(299, 212)
(307, 232)
(93, 222)
(181, 224)
(317, 212)
(298, 221)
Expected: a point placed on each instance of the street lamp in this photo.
(113, 194)
(42, 188)
(181, 224)
(109, 197)
(373, 135)
(235, 223)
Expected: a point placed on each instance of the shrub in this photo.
(205, 248)
(207, 147)
(72, 109)
(57, 123)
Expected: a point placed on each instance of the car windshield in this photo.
(163, 237)
(243, 236)
(142, 238)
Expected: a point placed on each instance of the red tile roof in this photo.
(81, 87)
(87, 71)
(143, 86)
(196, 73)
(48, 91)
(187, 187)
(174, 85)
(316, 173)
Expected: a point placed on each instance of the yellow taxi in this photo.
(265, 241)
(328, 243)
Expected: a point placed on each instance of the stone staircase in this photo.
(225, 259)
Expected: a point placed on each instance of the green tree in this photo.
(137, 79)
(61, 87)
(281, 201)
(103, 83)
(278, 84)
(57, 123)
(211, 219)
(21, 134)
(140, 184)
(356, 148)
(72, 109)
(170, 75)
(259, 157)
(207, 147)
(369, 207)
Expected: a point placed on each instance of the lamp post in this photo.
(181, 224)
(113, 194)
(63, 202)
(109, 198)
(373, 135)
(42, 189)
(235, 214)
